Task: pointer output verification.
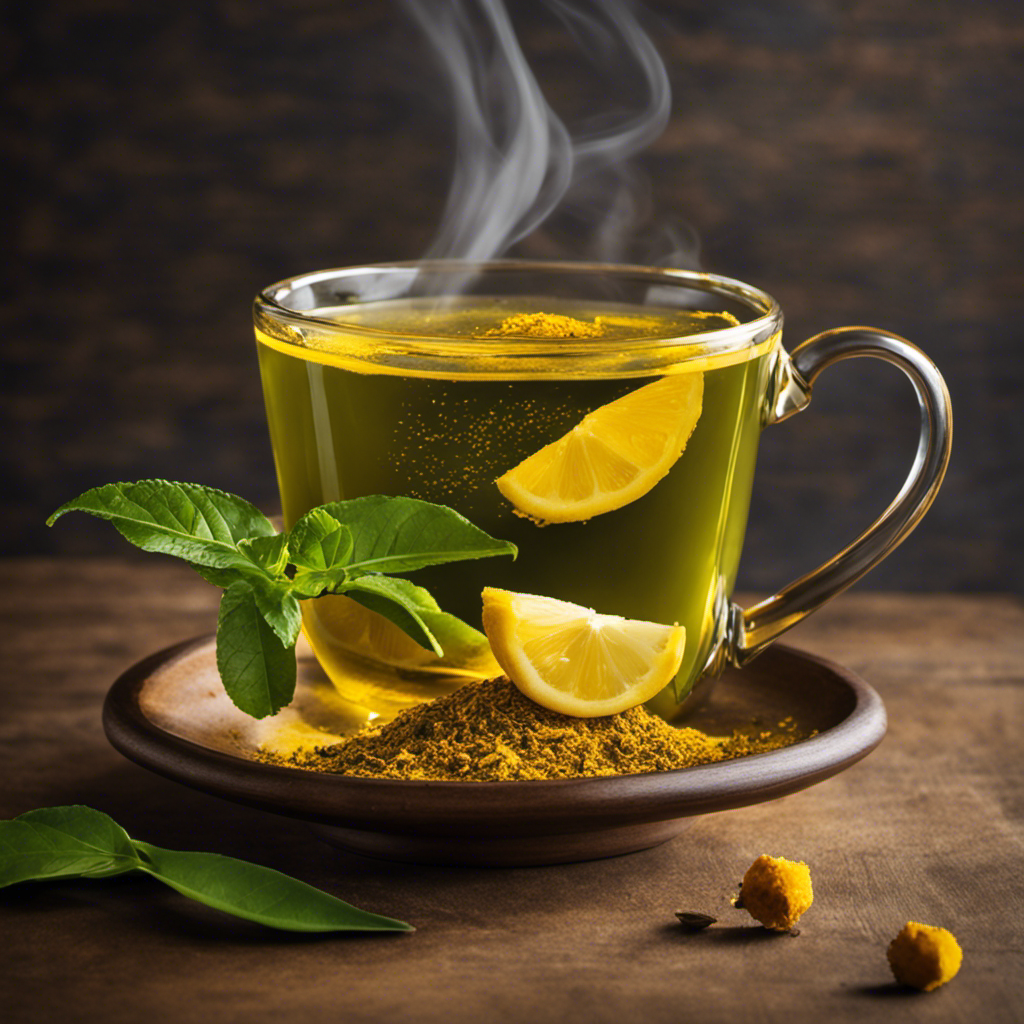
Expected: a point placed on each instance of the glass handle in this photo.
(751, 630)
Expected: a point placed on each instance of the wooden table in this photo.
(926, 828)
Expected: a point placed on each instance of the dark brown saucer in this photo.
(169, 713)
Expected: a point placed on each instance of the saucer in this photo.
(169, 713)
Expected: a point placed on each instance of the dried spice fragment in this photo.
(776, 892)
(924, 957)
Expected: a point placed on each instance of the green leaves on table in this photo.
(345, 547)
(63, 842)
(79, 842)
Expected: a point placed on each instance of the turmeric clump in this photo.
(776, 892)
(546, 325)
(490, 732)
(924, 957)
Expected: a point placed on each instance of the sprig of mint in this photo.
(79, 842)
(345, 547)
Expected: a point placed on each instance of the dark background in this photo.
(858, 160)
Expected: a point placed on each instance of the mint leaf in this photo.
(269, 553)
(342, 547)
(248, 570)
(257, 893)
(225, 577)
(308, 584)
(257, 670)
(458, 641)
(461, 642)
(395, 535)
(280, 609)
(61, 842)
(79, 842)
(400, 601)
(320, 550)
(318, 541)
(200, 524)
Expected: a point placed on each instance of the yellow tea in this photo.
(344, 424)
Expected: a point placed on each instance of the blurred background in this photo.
(860, 160)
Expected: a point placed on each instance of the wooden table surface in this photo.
(927, 828)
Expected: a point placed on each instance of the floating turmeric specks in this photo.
(545, 325)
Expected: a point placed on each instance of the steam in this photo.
(516, 162)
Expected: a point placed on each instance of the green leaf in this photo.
(318, 541)
(277, 600)
(308, 584)
(232, 545)
(200, 524)
(60, 842)
(257, 893)
(400, 601)
(320, 549)
(394, 535)
(223, 577)
(280, 609)
(79, 842)
(460, 641)
(257, 670)
(269, 553)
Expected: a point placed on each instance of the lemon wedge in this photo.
(571, 659)
(613, 456)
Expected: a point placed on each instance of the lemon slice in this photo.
(573, 660)
(613, 456)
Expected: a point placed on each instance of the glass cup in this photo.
(409, 379)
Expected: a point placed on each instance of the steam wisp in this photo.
(516, 162)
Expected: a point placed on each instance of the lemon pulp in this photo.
(574, 660)
(613, 456)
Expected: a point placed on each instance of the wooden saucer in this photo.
(169, 713)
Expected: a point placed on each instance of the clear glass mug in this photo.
(393, 379)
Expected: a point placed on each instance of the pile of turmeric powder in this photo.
(490, 732)
(546, 325)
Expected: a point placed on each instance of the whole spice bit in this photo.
(776, 892)
(693, 922)
(546, 325)
(490, 732)
(924, 957)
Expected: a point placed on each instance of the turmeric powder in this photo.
(546, 325)
(490, 732)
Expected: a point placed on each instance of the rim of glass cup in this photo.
(291, 306)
